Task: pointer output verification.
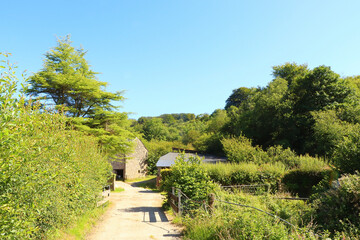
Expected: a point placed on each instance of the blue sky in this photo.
(182, 56)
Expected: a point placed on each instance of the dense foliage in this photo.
(68, 83)
(48, 174)
(337, 204)
(236, 222)
(300, 130)
(310, 111)
(188, 175)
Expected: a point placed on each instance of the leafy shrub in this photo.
(337, 205)
(285, 156)
(347, 152)
(301, 181)
(235, 222)
(240, 150)
(165, 174)
(245, 173)
(190, 177)
(48, 175)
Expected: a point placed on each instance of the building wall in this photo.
(135, 165)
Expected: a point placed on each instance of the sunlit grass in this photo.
(118, 189)
(148, 182)
(82, 225)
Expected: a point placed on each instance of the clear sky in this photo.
(185, 56)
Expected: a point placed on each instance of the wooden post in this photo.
(111, 182)
(211, 202)
(179, 202)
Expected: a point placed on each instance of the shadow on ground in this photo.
(151, 183)
(149, 211)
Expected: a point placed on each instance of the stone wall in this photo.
(136, 165)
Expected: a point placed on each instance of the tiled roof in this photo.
(169, 159)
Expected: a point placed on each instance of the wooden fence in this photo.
(175, 200)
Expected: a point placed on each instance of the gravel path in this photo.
(135, 214)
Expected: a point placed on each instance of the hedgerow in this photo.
(245, 173)
(48, 174)
(253, 165)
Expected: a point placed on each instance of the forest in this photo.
(299, 135)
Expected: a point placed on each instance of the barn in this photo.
(132, 165)
(168, 160)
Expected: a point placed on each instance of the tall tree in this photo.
(67, 80)
(240, 96)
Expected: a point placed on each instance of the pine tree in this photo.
(67, 81)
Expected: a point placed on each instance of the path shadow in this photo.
(150, 182)
(151, 211)
(147, 191)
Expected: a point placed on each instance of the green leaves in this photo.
(190, 177)
(48, 175)
(68, 81)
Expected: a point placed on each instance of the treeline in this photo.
(299, 134)
(310, 111)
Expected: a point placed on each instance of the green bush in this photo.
(337, 205)
(308, 173)
(48, 175)
(301, 181)
(190, 177)
(285, 156)
(236, 222)
(239, 150)
(245, 173)
(165, 174)
(347, 152)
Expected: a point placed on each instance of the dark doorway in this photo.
(119, 174)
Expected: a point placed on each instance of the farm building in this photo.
(168, 160)
(132, 165)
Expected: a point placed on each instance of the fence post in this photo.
(173, 190)
(211, 202)
(179, 201)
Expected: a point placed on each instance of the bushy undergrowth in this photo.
(252, 165)
(337, 204)
(189, 176)
(48, 175)
(235, 222)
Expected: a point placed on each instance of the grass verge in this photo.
(118, 189)
(148, 182)
(83, 225)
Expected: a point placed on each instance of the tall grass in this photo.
(234, 222)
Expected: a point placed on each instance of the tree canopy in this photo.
(67, 80)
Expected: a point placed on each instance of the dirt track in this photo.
(135, 214)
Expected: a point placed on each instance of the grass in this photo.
(83, 224)
(148, 177)
(118, 189)
(243, 223)
(148, 182)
